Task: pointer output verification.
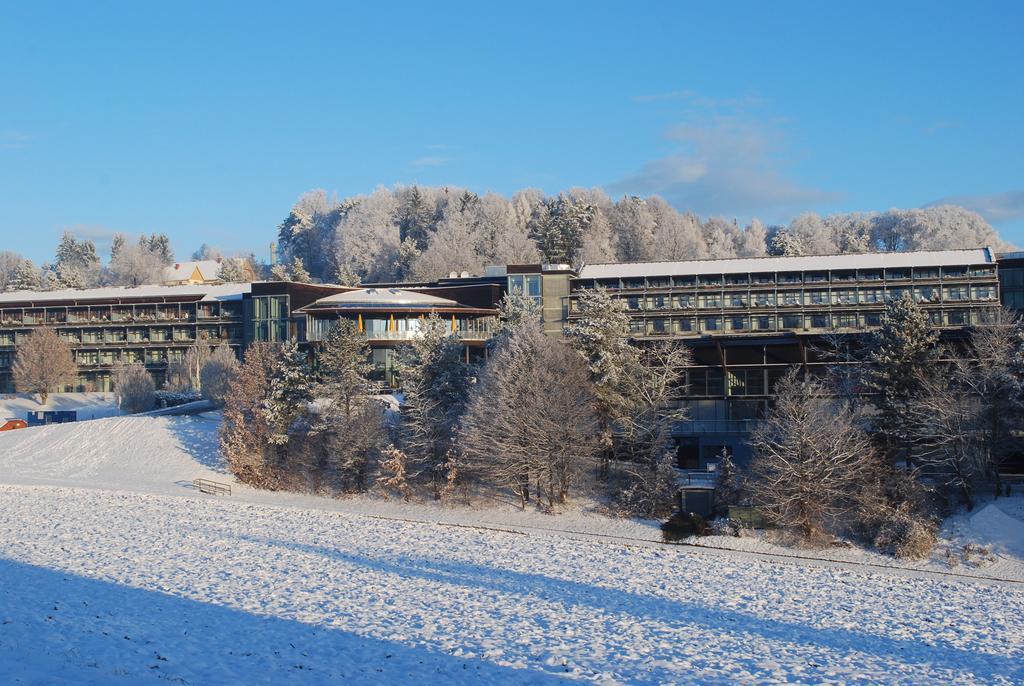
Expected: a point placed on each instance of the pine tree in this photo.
(898, 353)
(784, 244)
(599, 335)
(231, 271)
(560, 228)
(26, 278)
(116, 243)
(434, 381)
(299, 273)
(66, 276)
(289, 393)
(416, 221)
(344, 366)
(244, 432)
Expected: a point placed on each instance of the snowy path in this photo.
(103, 584)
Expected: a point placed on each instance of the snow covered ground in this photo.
(113, 571)
(88, 405)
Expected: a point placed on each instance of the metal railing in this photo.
(211, 487)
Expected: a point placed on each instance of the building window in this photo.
(872, 319)
(710, 323)
(709, 301)
(738, 300)
(763, 299)
(684, 325)
(792, 321)
(791, 298)
(737, 323)
(957, 318)
(762, 322)
(819, 321)
(686, 301)
(270, 318)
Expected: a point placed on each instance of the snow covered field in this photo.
(113, 571)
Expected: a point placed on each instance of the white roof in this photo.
(228, 291)
(922, 258)
(399, 297)
(182, 271)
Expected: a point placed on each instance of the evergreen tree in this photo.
(344, 366)
(289, 394)
(434, 381)
(116, 244)
(26, 278)
(782, 243)
(299, 273)
(232, 271)
(416, 222)
(159, 245)
(898, 354)
(279, 272)
(560, 227)
(67, 277)
(599, 335)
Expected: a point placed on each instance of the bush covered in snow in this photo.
(136, 391)
(907, 536)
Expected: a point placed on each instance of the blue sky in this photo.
(207, 120)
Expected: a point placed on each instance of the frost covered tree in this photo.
(244, 432)
(25, 278)
(599, 336)
(299, 273)
(754, 241)
(453, 246)
(995, 378)
(811, 454)
(236, 270)
(559, 226)
(43, 363)
(783, 243)
(530, 422)
(10, 262)
(350, 431)
(135, 389)
(135, 265)
(288, 397)
(636, 226)
(651, 386)
(77, 261)
(898, 355)
(945, 419)
(217, 372)
(158, 245)
(280, 272)
(434, 381)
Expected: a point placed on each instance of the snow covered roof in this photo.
(382, 297)
(183, 271)
(228, 291)
(921, 258)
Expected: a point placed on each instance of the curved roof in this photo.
(382, 297)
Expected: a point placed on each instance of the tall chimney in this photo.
(273, 254)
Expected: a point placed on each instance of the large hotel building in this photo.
(746, 320)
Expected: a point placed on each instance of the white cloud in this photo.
(994, 207)
(724, 164)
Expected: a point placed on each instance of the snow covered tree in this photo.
(651, 387)
(343, 366)
(135, 388)
(217, 372)
(516, 310)
(280, 272)
(67, 277)
(811, 455)
(530, 422)
(244, 433)
(995, 378)
(78, 257)
(299, 273)
(599, 336)
(636, 226)
(135, 265)
(416, 221)
(158, 245)
(10, 262)
(116, 243)
(349, 430)
(25, 278)
(290, 392)
(727, 483)
(782, 243)
(235, 270)
(944, 423)
(898, 355)
(754, 242)
(559, 227)
(43, 363)
(454, 246)
(720, 237)
(434, 381)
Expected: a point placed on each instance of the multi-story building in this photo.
(746, 320)
(749, 320)
(154, 325)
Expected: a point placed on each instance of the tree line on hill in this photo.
(421, 233)
(77, 264)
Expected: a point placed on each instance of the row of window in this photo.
(835, 296)
(142, 313)
(898, 274)
(656, 326)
